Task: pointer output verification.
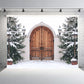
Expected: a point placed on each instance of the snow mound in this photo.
(10, 59)
(42, 64)
(73, 59)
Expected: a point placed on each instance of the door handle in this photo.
(41, 48)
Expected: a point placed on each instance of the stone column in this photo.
(81, 40)
(3, 40)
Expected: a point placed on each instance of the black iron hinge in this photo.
(53, 40)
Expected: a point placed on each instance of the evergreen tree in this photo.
(15, 39)
(69, 39)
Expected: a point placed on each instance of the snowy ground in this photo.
(42, 64)
(42, 72)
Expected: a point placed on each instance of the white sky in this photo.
(52, 20)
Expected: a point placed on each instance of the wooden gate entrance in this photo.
(41, 44)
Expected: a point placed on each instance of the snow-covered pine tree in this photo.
(69, 39)
(15, 39)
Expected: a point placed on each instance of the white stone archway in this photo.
(56, 54)
(41, 24)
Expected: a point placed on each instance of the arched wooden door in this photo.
(41, 44)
